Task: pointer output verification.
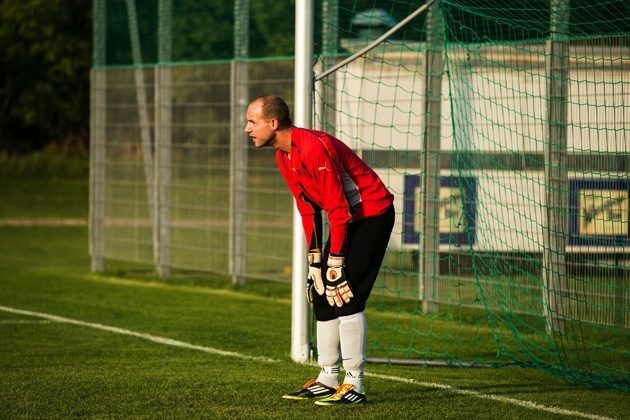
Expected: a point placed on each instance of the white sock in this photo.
(328, 356)
(353, 334)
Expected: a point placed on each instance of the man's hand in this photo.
(338, 290)
(315, 280)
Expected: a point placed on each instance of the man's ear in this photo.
(275, 124)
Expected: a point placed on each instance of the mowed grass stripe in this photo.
(210, 350)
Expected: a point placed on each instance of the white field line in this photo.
(522, 403)
(149, 337)
(175, 343)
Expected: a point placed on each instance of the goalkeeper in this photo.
(324, 174)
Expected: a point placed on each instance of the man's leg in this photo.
(366, 246)
(328, 356)
(353, 334)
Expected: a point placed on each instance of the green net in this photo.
(501, 127)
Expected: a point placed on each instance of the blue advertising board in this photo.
(457, 210)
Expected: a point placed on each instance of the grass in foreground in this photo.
(63, 370)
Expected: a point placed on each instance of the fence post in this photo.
(556, 178)
(97, 169)
(163, 138)
(98, 109)
(239, 92)
(430, 171)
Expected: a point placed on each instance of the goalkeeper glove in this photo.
(314, 280)
(338, 290)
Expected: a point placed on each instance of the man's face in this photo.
(259, 129)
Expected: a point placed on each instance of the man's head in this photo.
(266, 116)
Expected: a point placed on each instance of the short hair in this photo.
(274, 106)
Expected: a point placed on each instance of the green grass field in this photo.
(126, 344)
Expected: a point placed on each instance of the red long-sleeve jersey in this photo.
(325, 174)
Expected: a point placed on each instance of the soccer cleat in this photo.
(311, 389)
(345, 394)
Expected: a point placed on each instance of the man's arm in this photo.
(328, 173)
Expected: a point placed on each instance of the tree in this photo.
(45, 53)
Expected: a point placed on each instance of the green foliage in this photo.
(44, 81)
(272, 28)
(202, 30)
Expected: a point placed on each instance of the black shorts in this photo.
(366, 243)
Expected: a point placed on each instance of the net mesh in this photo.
(501, 128)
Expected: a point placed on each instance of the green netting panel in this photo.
(508, 72)
(269, 204)
(128, 224)
(198, 169)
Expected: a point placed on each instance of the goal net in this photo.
(502, 129)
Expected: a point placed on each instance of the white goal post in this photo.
(303, 117)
